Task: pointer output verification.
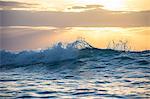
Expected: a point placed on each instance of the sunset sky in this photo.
(75, 5)
(32, 24)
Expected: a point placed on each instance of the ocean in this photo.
(76, 71)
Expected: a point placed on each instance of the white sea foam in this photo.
(58, 52)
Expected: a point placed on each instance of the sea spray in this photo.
(76, 50)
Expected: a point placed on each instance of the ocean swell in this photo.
(76, 50)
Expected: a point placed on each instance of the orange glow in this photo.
(138, 38)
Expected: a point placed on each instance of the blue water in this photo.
(75, 71)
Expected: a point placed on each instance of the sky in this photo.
(64, 5)
(26, 21)
(73, 13)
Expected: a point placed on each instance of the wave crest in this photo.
(64, 52)
(58, 52)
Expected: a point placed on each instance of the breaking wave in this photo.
(76, 50)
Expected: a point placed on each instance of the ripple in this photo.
(8, 80)
(82, 93)
(102, 82)
(27, 96)
(99, 67)
(124, 58)
(29, 90)
(46, 92)
(127, 81)
(102, 90)
(83, 89)
(141, 83)
(143, 62)
(69, 76)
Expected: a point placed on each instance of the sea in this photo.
(75, 71)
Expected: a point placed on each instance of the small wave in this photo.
(143, 62)
(124, 58)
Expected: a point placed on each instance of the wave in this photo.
(58, 52)
(76, 50)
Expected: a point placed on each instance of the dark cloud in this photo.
(87, 7)
(91, 18)
(13, 4)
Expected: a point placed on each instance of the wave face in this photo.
(63, 70)
(72, 51)
(59, 52)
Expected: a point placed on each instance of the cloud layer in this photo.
(13, 4)
(88, 16)
(95, 18)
